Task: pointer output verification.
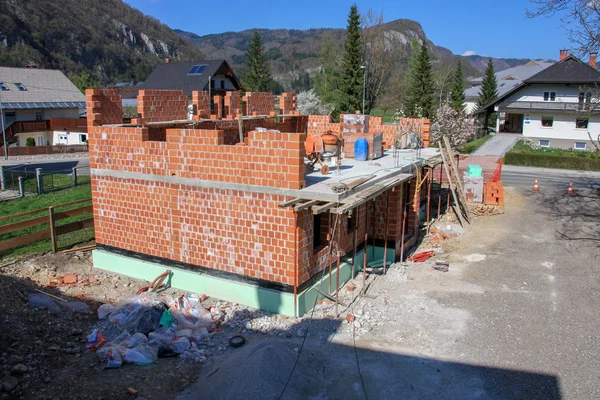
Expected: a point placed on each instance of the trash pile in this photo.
(145, 327)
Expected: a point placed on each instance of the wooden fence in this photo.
(53, 230)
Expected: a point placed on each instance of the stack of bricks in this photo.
(259, 103)
(104, 106)
(287, 104)
(218, 107)
(161, 105)
(232, 107)
(319, 124)
(493, 193)
(201, 101)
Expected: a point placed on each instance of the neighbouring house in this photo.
(507, 80)
(557, 107)
(215, 76)
(42, 104)
(232, 207)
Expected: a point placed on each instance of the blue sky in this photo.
(485, 27)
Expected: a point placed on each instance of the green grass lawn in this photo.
(524, 148)
(388, 115)
(34, 202)
(473, 145)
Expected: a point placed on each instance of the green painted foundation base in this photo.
(237, 292)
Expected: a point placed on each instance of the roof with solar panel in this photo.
(189, 75)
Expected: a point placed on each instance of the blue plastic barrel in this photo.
(361, 149)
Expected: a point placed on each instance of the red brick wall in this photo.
(201, 100)
(103, 106)
(161, 105)
(319, 124)
(232, 105)
(259, 103)
(226, 230)
(287, 103)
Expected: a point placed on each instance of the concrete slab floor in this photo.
(516, 317)
(384, 168)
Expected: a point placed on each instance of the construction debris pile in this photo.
(148, 326)
(485, 210)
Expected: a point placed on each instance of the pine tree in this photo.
(352, 78)
(457, 97)
(489, 86)
(410, 101)
(419, 96)
(257, 75)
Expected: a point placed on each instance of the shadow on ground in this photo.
(325, 369)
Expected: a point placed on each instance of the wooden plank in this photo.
(28, 223)
(320, 209)
(6, 217)
(458, 182)
(359, 181)
(290, 203)
(25, 239)
(74, 226)
(365, 196)
(451, 185)
(52, 223)
(306, 205)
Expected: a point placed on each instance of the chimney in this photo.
(167, 60)
(592, 61)
(564, 53)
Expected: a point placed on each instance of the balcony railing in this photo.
(556, 106)
(69, 124)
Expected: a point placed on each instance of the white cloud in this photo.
(469, 53)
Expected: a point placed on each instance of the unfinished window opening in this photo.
(352, 221)
(157, 134)
(320, 231)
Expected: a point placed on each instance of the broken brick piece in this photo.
(350, 287)
(71, 278)
(203, 297)
(350, 317)
(132, 391)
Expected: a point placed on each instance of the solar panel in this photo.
(197, 69)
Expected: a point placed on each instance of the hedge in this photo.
(551, 161)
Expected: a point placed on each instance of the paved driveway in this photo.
(498, 145)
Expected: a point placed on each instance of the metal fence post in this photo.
(38, 179)
(21, 187)
(74, 174)
(52, 229)
(2, 178)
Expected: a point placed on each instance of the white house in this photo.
(506, 79)
(36, 102)
(557, 107)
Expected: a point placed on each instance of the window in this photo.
(39, 115)
(3, 87)
(547, 122)
(581, 123)
(82, 138)
(320, 231)
(549, 96)
(580, 145)
(317, 231)
(222, 84)
(197, 69)
(20, 86)
(544, 143)
(585, 99)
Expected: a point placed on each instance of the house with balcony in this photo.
(41, 104)
(506, 79)
(557, 107)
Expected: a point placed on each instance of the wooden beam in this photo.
(320, 209)
(306, 205)
(330, 297)
(290, 203)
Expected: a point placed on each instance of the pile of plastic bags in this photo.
(148, 326)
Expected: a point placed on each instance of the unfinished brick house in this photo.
(229, 205)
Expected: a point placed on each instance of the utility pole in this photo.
(3, 130)
(364, 68)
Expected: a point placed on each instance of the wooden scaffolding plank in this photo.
(321, 209)
(292, 202)
(306, 205)
(457, 182)
(449, 176)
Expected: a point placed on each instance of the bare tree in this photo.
(442, 79)
(580, 18)
(588, 106)
(380, 51)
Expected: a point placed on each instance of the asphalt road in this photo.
(51, 164)
(524, 177)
